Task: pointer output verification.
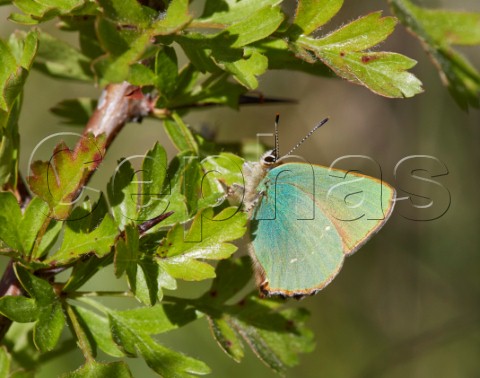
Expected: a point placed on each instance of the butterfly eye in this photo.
(269, 159)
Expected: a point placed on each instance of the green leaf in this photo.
(19, 231)
(126, 251)
(93, 369)
(16, 57)
(19, 309)
(80, 241)
(41, 11)
(180, 134)
(207, 239)
(309, 18)
(59, 181)
(246, 70)
(437, 30)
(275, 335)
(59, 59)
(227, 337)
(127, 12)
(5, 360)
(75, 111)
(166, 71)
(98, 328)
(257, 26)
(382, 72)
(131, 330)
(232, 11)
(175, 18)
(50, 319)
(83, 270)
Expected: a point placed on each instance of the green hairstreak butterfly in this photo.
(305, 218)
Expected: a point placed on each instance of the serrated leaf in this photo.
(382, 72)
(312, 14)
(19, 231)
(75, 111)
(84, 270)
(79, 242)
(174, 19)
(59, 59)
(35, 12)
(437, 30)
(257, 26)
(131, 329)
(58, 182)
(127, 12)
(19, 309)
(126, 251)
(246, 70)
(5, 360)
(275, 335)
(97, 326)
(180, 134)
(93, 369)
(166, 71)
(227, 337)
(232, 11)
(208, 238)
(50, 320)
(16, 57)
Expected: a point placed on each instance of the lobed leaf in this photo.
(207, 239)
(59, 181)
(312, 14)
(382, 72)
(75, 111)
(93, 369)
(59, 59)
(437, 30)
(275, 335)
(131, 330)
(49, 320)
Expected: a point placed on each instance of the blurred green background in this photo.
(408, 303)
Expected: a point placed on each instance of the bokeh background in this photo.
(408, 303)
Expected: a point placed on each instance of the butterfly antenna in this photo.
(307, 136)
(277, 147)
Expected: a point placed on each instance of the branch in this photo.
(118, 104)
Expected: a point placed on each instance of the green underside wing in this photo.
(308, 219)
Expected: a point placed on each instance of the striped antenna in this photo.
(307, 136)
(277, 147)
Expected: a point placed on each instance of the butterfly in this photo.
(305, 218)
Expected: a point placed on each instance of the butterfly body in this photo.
(304, 220)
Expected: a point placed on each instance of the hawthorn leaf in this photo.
(438, 30)
(174, 19)
(59, 181)
(274, 334)
(16, 57)
(35, 12)
(5, 360)
(231, 11)
(59, 59)
(127, 12)
(98, 328)
(246, 70)
(309, 18)
(93, 369)
(78, 242)
(19, 231)
(207, 239)
(384, 73)
(131, 330)
(166, 71)
(180, 134)
(75, 111)
(257, 26)
(19, 309)
(50, 320)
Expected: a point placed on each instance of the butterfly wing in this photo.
(308, 219)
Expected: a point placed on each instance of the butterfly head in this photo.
(269, 159)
